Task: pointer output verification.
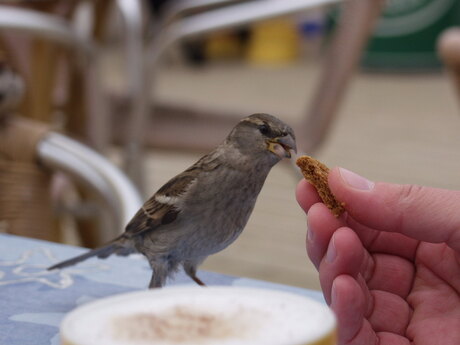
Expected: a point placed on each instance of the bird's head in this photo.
(263, 135)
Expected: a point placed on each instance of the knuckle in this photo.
(406, 200)
(409, 193)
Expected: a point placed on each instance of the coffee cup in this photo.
(194, 315)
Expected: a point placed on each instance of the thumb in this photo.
(423, 213)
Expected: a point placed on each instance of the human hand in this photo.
(390, 266)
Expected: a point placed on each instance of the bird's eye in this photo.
(264, 129)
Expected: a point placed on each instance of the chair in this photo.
(55, 40)
(30, 153)
(185, 19)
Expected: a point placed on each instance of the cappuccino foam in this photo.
(194, 315)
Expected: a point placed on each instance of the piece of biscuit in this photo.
(316, 173)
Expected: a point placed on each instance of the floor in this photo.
(402, 128)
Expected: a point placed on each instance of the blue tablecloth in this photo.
(33, 301)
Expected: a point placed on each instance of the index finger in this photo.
(306, 195)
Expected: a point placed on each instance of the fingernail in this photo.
(331, 251)
(356, 181)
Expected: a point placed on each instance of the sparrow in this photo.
(205, 208)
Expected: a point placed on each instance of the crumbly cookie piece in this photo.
(316, 173)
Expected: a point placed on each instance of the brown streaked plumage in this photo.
(204, 209)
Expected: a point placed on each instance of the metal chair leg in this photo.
(355, 26)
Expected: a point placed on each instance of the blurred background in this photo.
(151, 86)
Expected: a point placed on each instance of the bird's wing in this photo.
(162, 208)
(165, 205)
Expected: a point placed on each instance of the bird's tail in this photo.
(112, 247)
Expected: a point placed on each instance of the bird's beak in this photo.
(282, 146)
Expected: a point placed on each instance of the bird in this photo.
(205, 208)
